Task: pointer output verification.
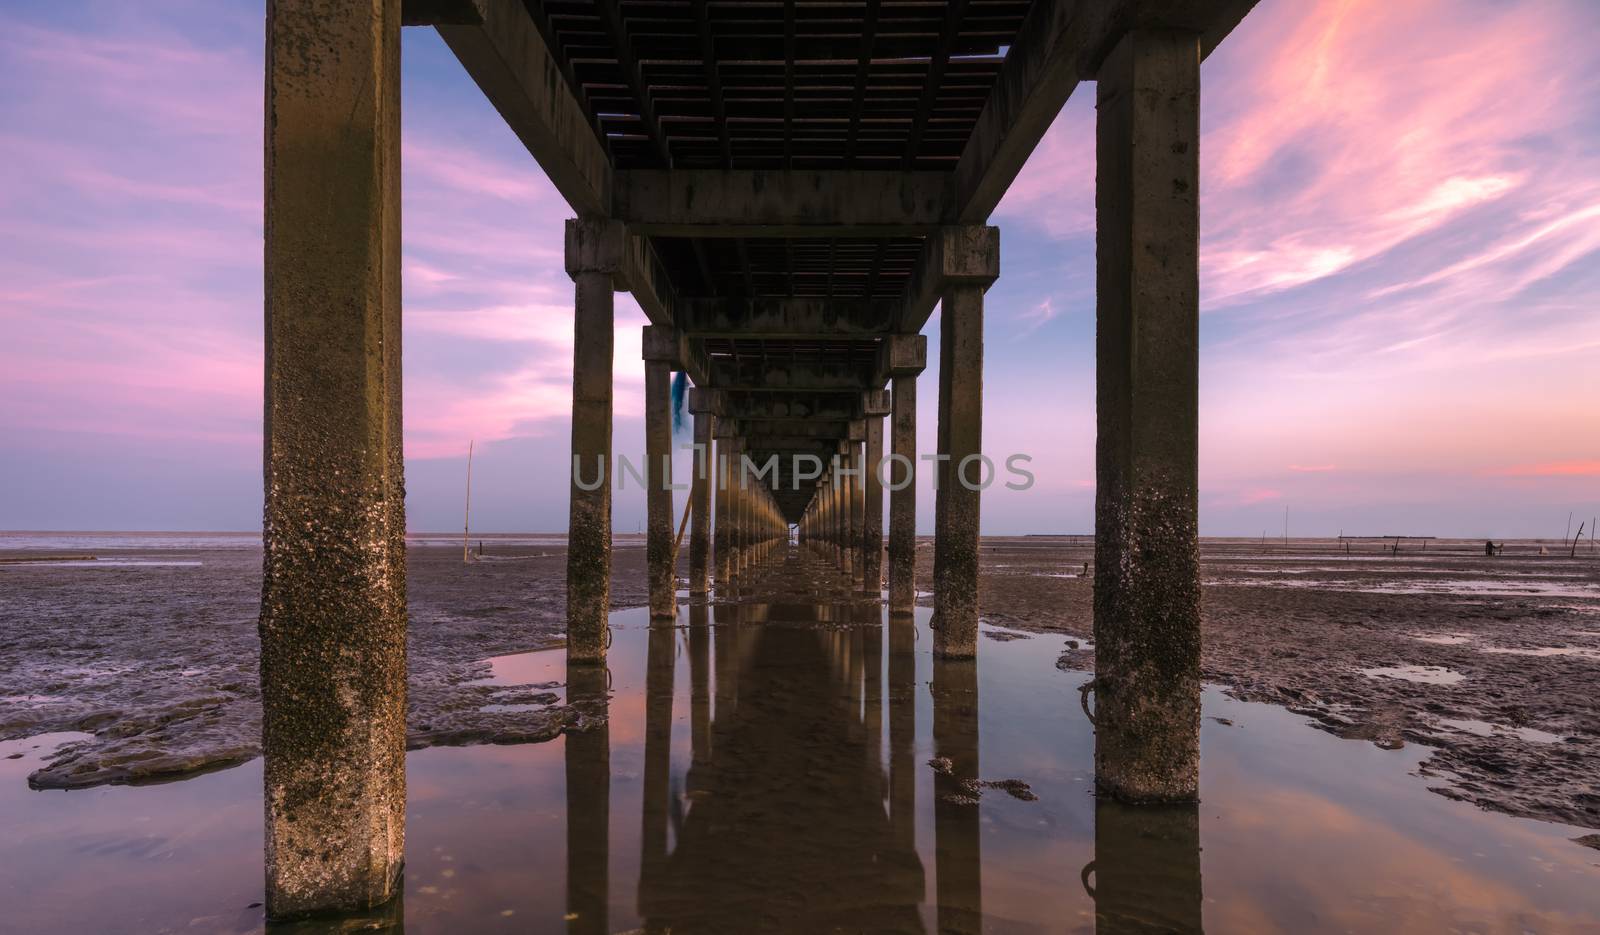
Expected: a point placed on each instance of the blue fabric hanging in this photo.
(680, 402)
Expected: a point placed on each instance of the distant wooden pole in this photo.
(1574, 551)
(682, 525)
(466, 522)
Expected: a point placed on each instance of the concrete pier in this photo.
(701, 405)
(789, 274)
(1147, 571)
(660, 357)
(721, 492)
(907, 355)
(874, 406)
(594, 256)
(969, 264)
(333, 593)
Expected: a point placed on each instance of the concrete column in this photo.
(971, 263)
(1147, 569)
(736, 506)
(875, 405)
(333, 591)
(700, 404)
(723, 430)
(858, 505)
(907, 355)
(594, 253)
(660, 346)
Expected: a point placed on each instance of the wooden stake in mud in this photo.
(466, 523)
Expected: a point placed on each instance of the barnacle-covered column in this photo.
(333, 591)
(594, 257)
(660, 351)
(969, 264)
(702, 405)
(906, 355)
(1147, 569)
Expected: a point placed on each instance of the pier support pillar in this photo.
(970, 262)
(874, 405)
(722, 430)
(701, 404)
(907, 355)
(1147, 570)
(594, 256)
(660, 357)
(333, 594)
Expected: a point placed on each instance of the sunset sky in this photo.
(1400, 268)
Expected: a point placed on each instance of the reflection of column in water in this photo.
(699, 684)
(902, 729)
(657, 753)
(588, 802)
(857, 675)
(727, 659)
(1146, 869)
(957, 855)
(872, 663)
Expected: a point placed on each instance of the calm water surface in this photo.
(797, 767)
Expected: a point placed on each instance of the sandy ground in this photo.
(164, 677)
(1492, 663)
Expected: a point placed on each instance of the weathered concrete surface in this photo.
(508, 58)
(778, 203)
(961, 434)
(905, 357)
(594, 253)
(333, 610)
(723, 522)
(1147, 571)
(875, 405)
(658, 478)
(700, 501)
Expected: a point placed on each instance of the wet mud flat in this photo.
(150, 651)
(791, 760)
(1490, 665)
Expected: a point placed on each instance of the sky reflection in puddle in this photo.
(774, 776)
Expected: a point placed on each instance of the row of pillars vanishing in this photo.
(333, 607)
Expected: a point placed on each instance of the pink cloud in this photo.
(1550, 469)
(1312, 468)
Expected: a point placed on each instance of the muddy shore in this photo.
(1488, 662)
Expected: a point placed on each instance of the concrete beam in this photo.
(755, 376)
(503, 52)
(1061, 43)
(902, 355)
(780, 203)
(817, 428)
(798, 405)
(966, 254)
(644, 275)
(785, 317)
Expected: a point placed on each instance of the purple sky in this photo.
(1400, 281)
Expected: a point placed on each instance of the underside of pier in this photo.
(788, 189)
